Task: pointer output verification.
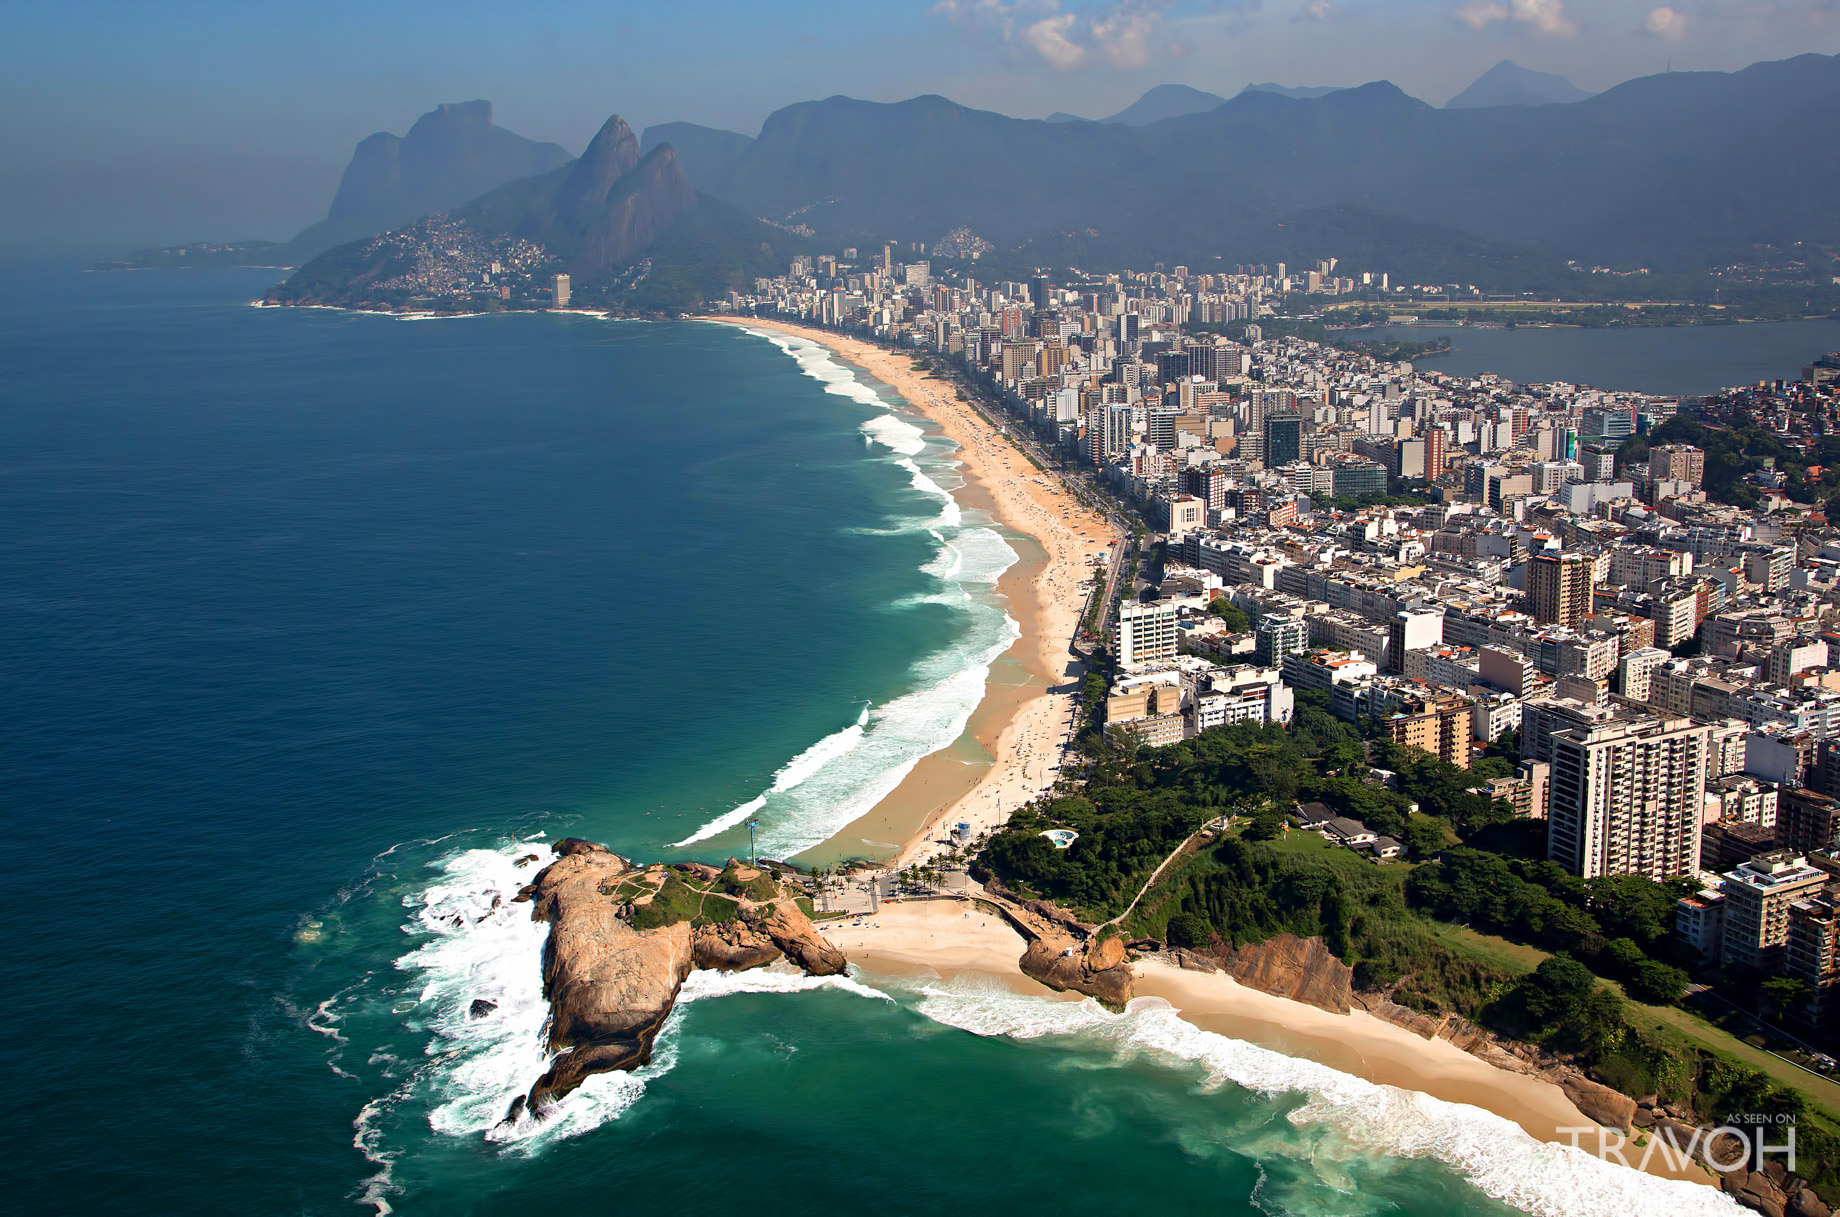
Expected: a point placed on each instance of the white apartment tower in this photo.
(1146, 632)
(1625, 798)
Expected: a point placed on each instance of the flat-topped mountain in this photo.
(451, 155)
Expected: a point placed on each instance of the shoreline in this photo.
(1022, 726)
(951, 938)
(948, 938)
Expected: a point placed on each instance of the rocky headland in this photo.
(623, 938)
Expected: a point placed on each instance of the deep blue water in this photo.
(315, 624)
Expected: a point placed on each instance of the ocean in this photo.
(319, 625)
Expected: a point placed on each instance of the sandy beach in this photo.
(1026, 712)
(953, 938)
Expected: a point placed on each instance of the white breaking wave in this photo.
(896, 434)
(842, 776)
(478, 944)
(790, 776)
(1493, 1153)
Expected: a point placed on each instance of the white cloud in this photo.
(1048, 38)
(1123, 36)
(1318, 10)
(1545, 16)
(1665, 23)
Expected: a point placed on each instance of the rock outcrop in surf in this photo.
(624, 937)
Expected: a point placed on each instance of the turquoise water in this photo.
(317, 624)
(1685, 359)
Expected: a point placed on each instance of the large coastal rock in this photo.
(609, 986)
(1097, 967)
(622, 939)
(1301, 969)
(1598, 1102)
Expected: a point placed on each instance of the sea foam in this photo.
(1368, 1119)
(477, 943)
(843, 775)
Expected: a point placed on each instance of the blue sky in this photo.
(142, 122)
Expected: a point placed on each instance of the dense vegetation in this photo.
(1471, 863)
(1737, 451)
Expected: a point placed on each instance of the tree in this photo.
(1778, 993)
(1563, 1002)
(1424, 836)
(1657, 983)
(1265, 826)
(1235, 620)
(1189, 930)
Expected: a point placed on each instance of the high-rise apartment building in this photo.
(1677, 463)
(559, 290)
(1146, 632)
(1283, 439)
(1626, 796)
(1277, 637)
(1811, 954)
(1559, 587)
(1433, 721)
(1807, 821)
(1758, 895)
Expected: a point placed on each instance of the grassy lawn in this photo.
(1667, 1023)
(1672, 1022)
(1297, 841)
(1508, 956)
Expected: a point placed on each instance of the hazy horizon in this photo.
(206, 120)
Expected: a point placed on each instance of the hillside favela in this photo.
(1041, 607)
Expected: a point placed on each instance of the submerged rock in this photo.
(480, 1008)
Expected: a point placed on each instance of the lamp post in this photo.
(753, 858)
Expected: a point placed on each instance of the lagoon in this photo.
(1689, 360)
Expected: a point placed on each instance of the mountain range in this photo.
(1683, 170)
(1173, 101)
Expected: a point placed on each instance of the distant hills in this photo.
(617, 220)
(1684, 170)
(1509, 84)
(1681, 172)
(1301, 93)
(1174, 101)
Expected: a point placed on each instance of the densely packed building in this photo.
(1447, 559)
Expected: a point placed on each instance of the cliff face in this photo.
(452, 154)
(623, 938)
(1302, 969)
(633, 213)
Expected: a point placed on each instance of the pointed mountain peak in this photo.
(614, 143)
(1509, 84)
(611, 155)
